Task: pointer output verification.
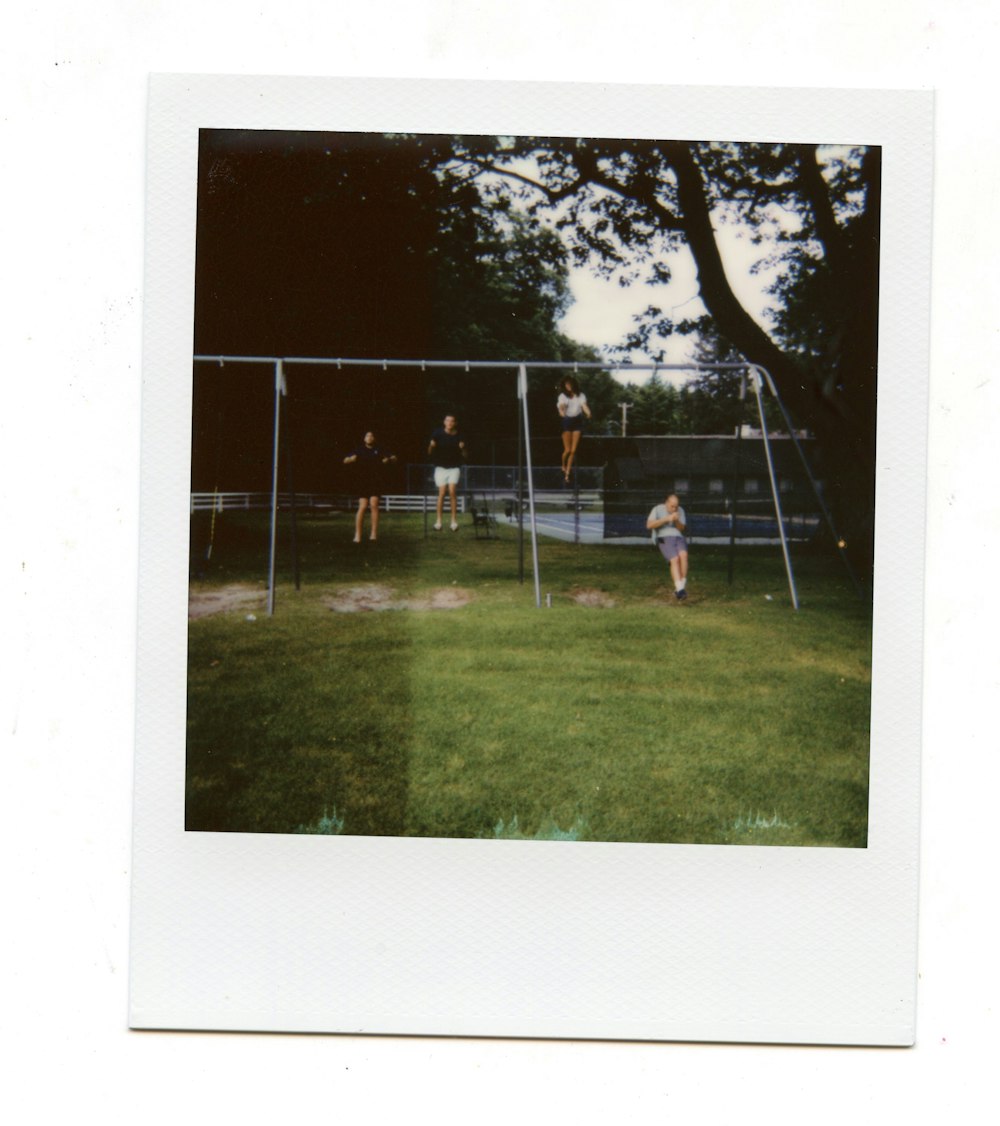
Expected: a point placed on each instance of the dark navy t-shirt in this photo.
(369, 455)
(447, 449)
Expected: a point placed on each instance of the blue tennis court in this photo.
(589, 527)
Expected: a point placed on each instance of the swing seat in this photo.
(483, 521)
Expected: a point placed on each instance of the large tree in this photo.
(812, 211)
(358, 245)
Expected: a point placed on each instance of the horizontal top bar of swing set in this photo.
(468, 364)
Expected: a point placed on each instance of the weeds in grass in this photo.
(747, 823)
(329, 825)
(547, 831)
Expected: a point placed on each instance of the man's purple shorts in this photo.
(671, 546)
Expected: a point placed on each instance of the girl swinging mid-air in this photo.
(572, 406)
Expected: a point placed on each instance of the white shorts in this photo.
(443, 476)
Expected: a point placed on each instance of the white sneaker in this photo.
(454, 527)
(437, 526)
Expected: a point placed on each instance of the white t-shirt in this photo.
(660, 513)
(574, 404)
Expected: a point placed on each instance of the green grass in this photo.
(731, 719)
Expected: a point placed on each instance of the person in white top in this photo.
(572, 407)
(668, 522)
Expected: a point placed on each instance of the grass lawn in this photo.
(614, 715)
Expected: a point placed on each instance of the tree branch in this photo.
(553, 195)
(588, 172)
(734, 322)
(817, 195)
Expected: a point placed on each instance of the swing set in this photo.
(752, 375)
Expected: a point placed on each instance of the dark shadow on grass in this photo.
(301, 722)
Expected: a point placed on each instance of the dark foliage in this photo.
(355, 245)
(813, 210)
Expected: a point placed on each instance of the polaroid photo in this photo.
(530, 609)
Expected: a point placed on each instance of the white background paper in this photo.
(73, 128)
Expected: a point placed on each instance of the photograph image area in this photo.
(532, 488)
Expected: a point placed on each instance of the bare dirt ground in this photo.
(362, 599)
(588, 596)
(352, 600)
(358, 599)
(201, 603)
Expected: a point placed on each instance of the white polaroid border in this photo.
(528, 939)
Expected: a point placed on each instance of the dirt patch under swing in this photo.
(359, 599)
(589, 596)
(202, 603)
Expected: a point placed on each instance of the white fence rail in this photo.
(239, 502)
(233, 502)
(390, 502)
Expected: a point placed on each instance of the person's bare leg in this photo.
(678, 572)
(574, 442)
(359, 520)
(374, 512)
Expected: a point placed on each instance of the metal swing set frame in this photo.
(759, 379)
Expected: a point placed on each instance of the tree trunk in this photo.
(840, 413)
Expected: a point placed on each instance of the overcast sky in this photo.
(603, 311)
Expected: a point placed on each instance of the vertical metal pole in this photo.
(520, 491)
(422, 470)
(736, 475)
(279, 380)
(522, 388)
(290, 479)
(815, 486)
(218, 468)
(755, 376)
